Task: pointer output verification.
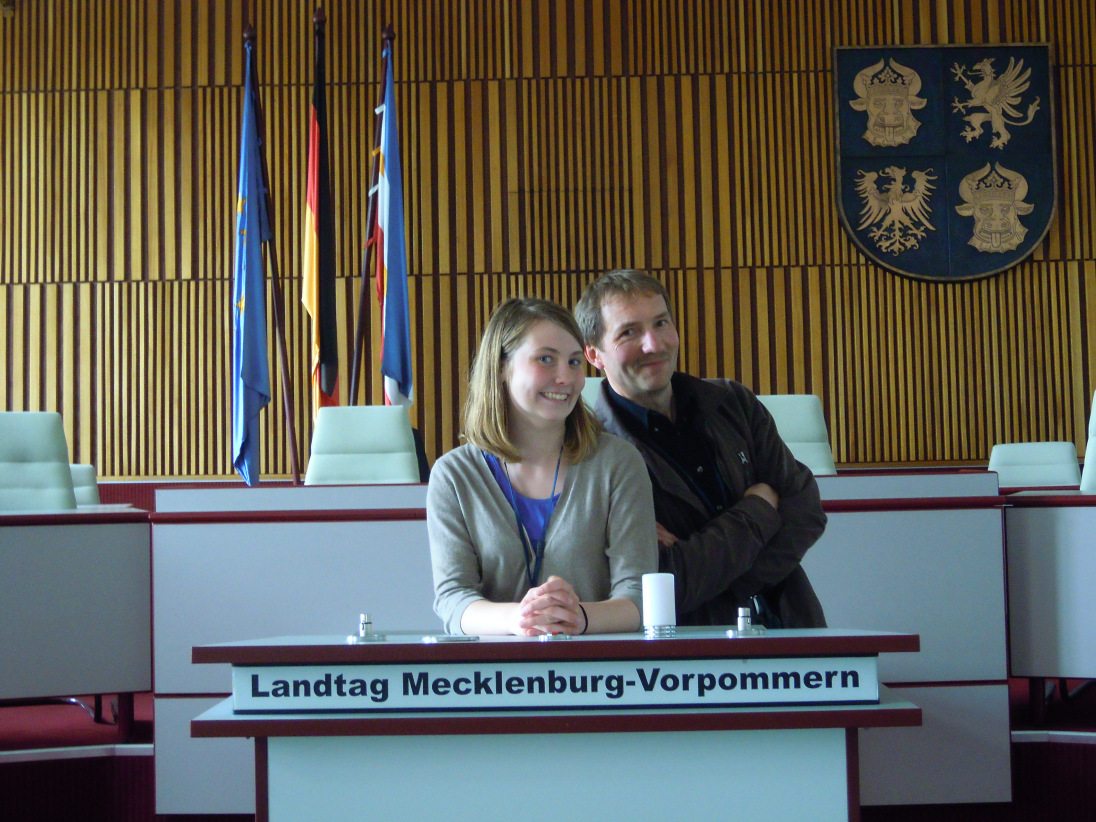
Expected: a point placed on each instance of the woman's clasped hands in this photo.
(551, 608)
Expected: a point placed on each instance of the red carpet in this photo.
(62, 725)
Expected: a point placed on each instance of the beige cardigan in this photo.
(601, 537)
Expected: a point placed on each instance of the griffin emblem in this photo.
(902, 213)
(998, 96)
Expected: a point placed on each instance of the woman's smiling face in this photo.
(544, 375)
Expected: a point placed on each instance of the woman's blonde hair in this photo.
(486, 415)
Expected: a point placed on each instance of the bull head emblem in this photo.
(995, 199)
(889, 96)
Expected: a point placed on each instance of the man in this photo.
(736, 512)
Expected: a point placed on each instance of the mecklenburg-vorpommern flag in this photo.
(319, 248)
(391, 253)
(250, 370)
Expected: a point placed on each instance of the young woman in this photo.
(541, 523)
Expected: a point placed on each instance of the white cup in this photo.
(659, 612)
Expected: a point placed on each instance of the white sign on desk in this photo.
(561, 685)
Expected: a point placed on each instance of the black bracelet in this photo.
(586, 617)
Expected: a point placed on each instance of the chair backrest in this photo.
(84, 484)
(1033, 464)
(34, 462)
(802, 426)
(1088, 475)
(361, 444)
(591, 390)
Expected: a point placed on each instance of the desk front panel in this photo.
(206, 776)
(224, 582)
(940, 574)
(907, 485)
(74, 609)
(1051, 581)
(280, 499)
(795, 774)
(961, 752)
(936, 573)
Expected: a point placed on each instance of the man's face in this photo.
(638, 348)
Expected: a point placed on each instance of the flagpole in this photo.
(387, 37)
(275, 273)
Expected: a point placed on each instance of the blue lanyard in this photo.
(536, 549)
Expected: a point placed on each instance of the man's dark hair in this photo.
(621, 281)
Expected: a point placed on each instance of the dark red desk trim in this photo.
(560, 723)
(77, 517)
(909, 470)
(295, 515)
(947, 683)
(536, 651)
(1017, 489)
(833, 506)
(1053, 501)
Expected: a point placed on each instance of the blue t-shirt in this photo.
(533, 513)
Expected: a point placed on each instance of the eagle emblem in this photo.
(897, 214)
(996, 96)
(945, 161)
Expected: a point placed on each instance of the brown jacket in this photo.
(722, 560)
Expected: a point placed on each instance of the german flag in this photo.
(319, 243)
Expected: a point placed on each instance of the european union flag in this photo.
(250, 371)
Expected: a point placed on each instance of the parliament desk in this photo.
(418, 727)
(918, 553)
(74, 605)
(1051, 572)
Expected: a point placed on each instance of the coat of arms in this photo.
(946, 156)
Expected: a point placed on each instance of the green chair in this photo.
(34, 463)
(362, 444)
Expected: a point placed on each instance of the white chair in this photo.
(34, 462)
(591, 390)
(84, 484)
(1035, 464)
(802, 426)
(362, 444)
(1088, 475)
(67, 587)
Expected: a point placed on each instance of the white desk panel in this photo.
(937, 573)
(636, 776)
(200, 775)
(225, 582)
(908, 485)
(74, 609)
(282, 498)
(1051, 576)
(959, 754)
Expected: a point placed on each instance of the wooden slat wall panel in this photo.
(543, 142)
